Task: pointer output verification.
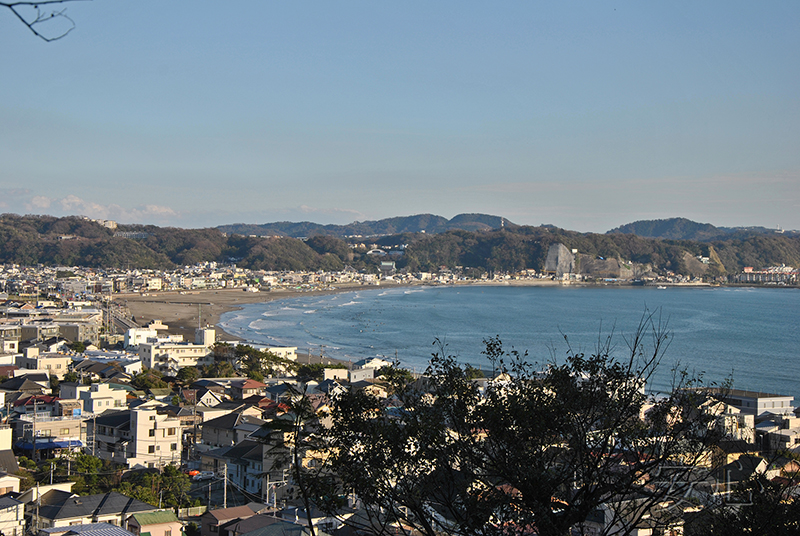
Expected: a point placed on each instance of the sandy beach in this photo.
(184, 311)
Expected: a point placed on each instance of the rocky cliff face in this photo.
(559, 260)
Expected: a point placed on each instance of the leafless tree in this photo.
(41, 18)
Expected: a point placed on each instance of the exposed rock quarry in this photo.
(559, 260)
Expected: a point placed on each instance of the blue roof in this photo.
(28, 445)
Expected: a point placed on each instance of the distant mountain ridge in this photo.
(75, 241)
(684, 229)
(428, 223)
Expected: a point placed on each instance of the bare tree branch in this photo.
(41, 16)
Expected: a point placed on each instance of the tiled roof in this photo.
(8, 462)
(226, 514)
(8, 502)
(95, 505)
(155, 518)
(89, 529)
(114, 419)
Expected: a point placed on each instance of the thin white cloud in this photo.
(39, 202)
(72, 205)
(336, 212)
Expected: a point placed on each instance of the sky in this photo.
(584, 115)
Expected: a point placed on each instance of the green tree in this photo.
(71, 377)
(397, 377)
(757, 507)
(218, 369)
(148, 379)
(545, 447)
(188, 375)
(77, 347)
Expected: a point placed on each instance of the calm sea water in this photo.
(750, 334)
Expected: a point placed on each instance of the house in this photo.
(25, 385)
(243, 462)
(742, 469)
(101, 397)
(369, 387)
(55, 364)
(241, 389)
(762, 405)
(210, 398)
(372, 362)
(12, 516)
(323, 522)
(42, 405)
(9, 483)
(88, 529)
(111, 507)
(164, 523)
(139, 438)
(362, 374)
(211, 521)
(45, 437)
(170, 357)
(229, 429)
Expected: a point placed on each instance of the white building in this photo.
(170, 357)
(136, 336)
(55, 364)
(101, 397)
(137, 438)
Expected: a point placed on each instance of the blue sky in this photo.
(585, 115)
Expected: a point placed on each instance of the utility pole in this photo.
(51, 473)
(94, 431)
(34, 433)
(225, 485)
(38, 503)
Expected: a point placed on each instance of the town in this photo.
(152, 431)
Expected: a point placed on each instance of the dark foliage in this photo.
(31, 240)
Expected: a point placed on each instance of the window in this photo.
(58, 366)
(173, 446)
(170, 431)
(152, 433)
(151, 449)
(65, 431)
(152, 417)
(213, 528)
(167, 532)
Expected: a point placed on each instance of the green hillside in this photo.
(31, 240)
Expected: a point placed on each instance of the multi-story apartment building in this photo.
(35, 433)
(170, 357)
(56, 364)
(9, 338)
(100, 397)
(138, 438)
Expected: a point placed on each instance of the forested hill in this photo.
(31, 240)
(683, 229)
(427, 223)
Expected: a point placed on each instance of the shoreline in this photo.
(184, 311)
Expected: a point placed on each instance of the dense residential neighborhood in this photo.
(102, 415)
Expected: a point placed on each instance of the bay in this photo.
(749, 334)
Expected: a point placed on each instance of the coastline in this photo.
(184, 311)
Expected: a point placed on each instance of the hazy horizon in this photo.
(583, 115)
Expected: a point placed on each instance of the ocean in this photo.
(751, 335)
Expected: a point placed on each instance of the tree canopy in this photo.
(550, 446)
